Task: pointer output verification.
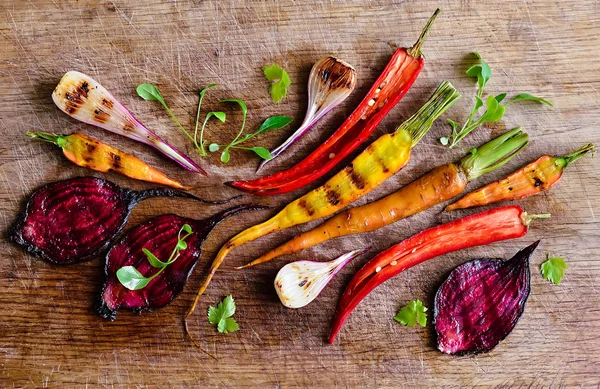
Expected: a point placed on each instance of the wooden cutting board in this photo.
(51, 336)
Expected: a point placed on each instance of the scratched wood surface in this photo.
(50, 336)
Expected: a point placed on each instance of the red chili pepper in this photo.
(395, 80)
(476, 230)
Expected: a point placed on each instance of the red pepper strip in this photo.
(476, 230)
(395, 80)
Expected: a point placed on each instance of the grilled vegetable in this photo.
(158, 235)
(538, 176)
(382, 159)
(330, 82)
(84, 99)
(91, 153)
(74, 220)
(480, 303)
(439, 185)
(396, 79)
(298, 283)
(476, 230)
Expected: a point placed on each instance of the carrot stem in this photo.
(575, 155)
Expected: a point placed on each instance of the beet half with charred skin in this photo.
(480, 303)
(159, 236)
(72, 221)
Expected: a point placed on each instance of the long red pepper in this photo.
(476, 230)
(393, 83)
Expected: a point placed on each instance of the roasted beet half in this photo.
(74, 220)
(480, 303)
(159, 236)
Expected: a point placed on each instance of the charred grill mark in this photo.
(338, 74)
(332, 196)
(116, 161)
(90, 147)
(537, 182)
(75, 98)
(107, 103)
(510, 188)
(356, 179)
(302, 204)
(100, 116)
(303, 282)
(88, 159)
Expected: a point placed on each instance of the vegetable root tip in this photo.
(194, 341)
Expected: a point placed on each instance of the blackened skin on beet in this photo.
(480, 303)
(159, 235)
(72, 221)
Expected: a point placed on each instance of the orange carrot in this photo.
(538, 176)
(91, 153)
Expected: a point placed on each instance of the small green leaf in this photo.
(554, 269)
(219, 115)
(187, 228)
(281, 80)
(444, 140)
(155, 262)
(213, 315)
(473, 151)
(225, 156)
(262, 152)
(528, 97)
(203, 91)
(411, 314)
(494, 111)
(482, 72)
(478, 104)
(273, 72)
(149, 92)
(221, 315)
(213, 147)
(227, 325)
(274, 123)
(131, 278)
(181, 245)
(500, 97)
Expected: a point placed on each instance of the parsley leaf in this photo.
(221, 315)
(412, 313)
(554, 269)
(281, 82)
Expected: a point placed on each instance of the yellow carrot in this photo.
(88, 152)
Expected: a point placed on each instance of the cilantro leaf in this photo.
(412, 313)
(221, 315)
(281, 81)
(554, 269)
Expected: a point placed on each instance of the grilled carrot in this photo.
(538, 176)
(91, 153)
(381, 160)
(437, 186)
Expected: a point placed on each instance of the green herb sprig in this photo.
(412, 313)
(494, 111)
(221, 316)
(280, 81)
(270, 124)
(554, 269)
(132, 279)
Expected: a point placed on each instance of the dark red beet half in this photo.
(480, 303)
(71, 221)
(159, 235)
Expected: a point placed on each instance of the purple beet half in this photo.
(74, 220)
(480, 303)
(159, 235)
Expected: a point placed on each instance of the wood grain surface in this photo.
(51, 337)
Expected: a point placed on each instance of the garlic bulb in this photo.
(299, 283)
(84, 99)
(330, 82)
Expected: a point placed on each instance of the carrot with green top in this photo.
(536, 177)
(88, 152)
(439, 185)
